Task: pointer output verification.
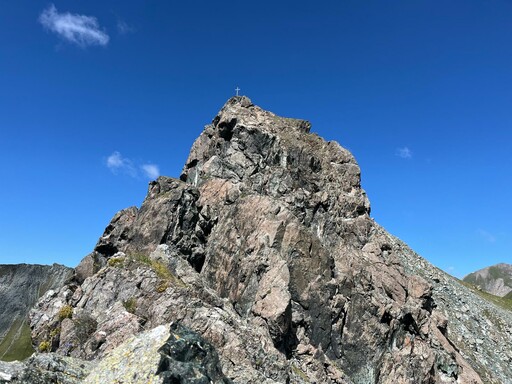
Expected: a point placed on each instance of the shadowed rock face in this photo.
(265, 248)
(497, 279)
(21, 285)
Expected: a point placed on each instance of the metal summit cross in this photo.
(237, 89)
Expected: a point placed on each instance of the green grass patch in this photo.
(66, 312)
(45, 346)
(161, 270)
(17, 343)
(299, 372)
(140, 258)
(130, 305)
(162, 286)
(117, 261)
(503, 302)
(508, 296)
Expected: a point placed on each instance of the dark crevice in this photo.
(409, 324)
(429, 304)
(165, 236)
(385, 247)
(386, 318)
(377, 375)
(276, 159)
(315, 165)
(193, 163)
(197, 260)
(106, 250)
(343, 322)
(109, 229)
(286, 341)
(226, 129)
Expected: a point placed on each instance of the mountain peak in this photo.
(496, 279)
(242, 101)
(265, 249)
(240, 111)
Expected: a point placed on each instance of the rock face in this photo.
(497, 279)
(21, 285)
(265, 249)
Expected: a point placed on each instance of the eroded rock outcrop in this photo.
(265, 248)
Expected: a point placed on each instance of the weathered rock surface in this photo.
(479, 329)
(21, 285)
(497, 279)
(265, 249)
(48, 368)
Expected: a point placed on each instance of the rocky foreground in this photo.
(261, 264)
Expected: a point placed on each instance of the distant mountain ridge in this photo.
(496, 279)
(21, 285)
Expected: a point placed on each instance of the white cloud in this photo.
(124, 28)
(77, 29)
(115, 161)
(119, 164)
(151, 170)
(486, 235)
(404, 153)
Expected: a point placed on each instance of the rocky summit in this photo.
(261, 264)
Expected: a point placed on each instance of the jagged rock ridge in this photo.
(21, 285)
(496, 279)
(265, 248)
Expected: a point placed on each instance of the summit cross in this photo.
(237, 89)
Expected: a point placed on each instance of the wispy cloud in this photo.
(487, 236)
(122, 165)
(404, 153)
(119, 164)
(151, 170)
(123, 28)
(77, 29)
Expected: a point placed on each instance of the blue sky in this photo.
(98, 97)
